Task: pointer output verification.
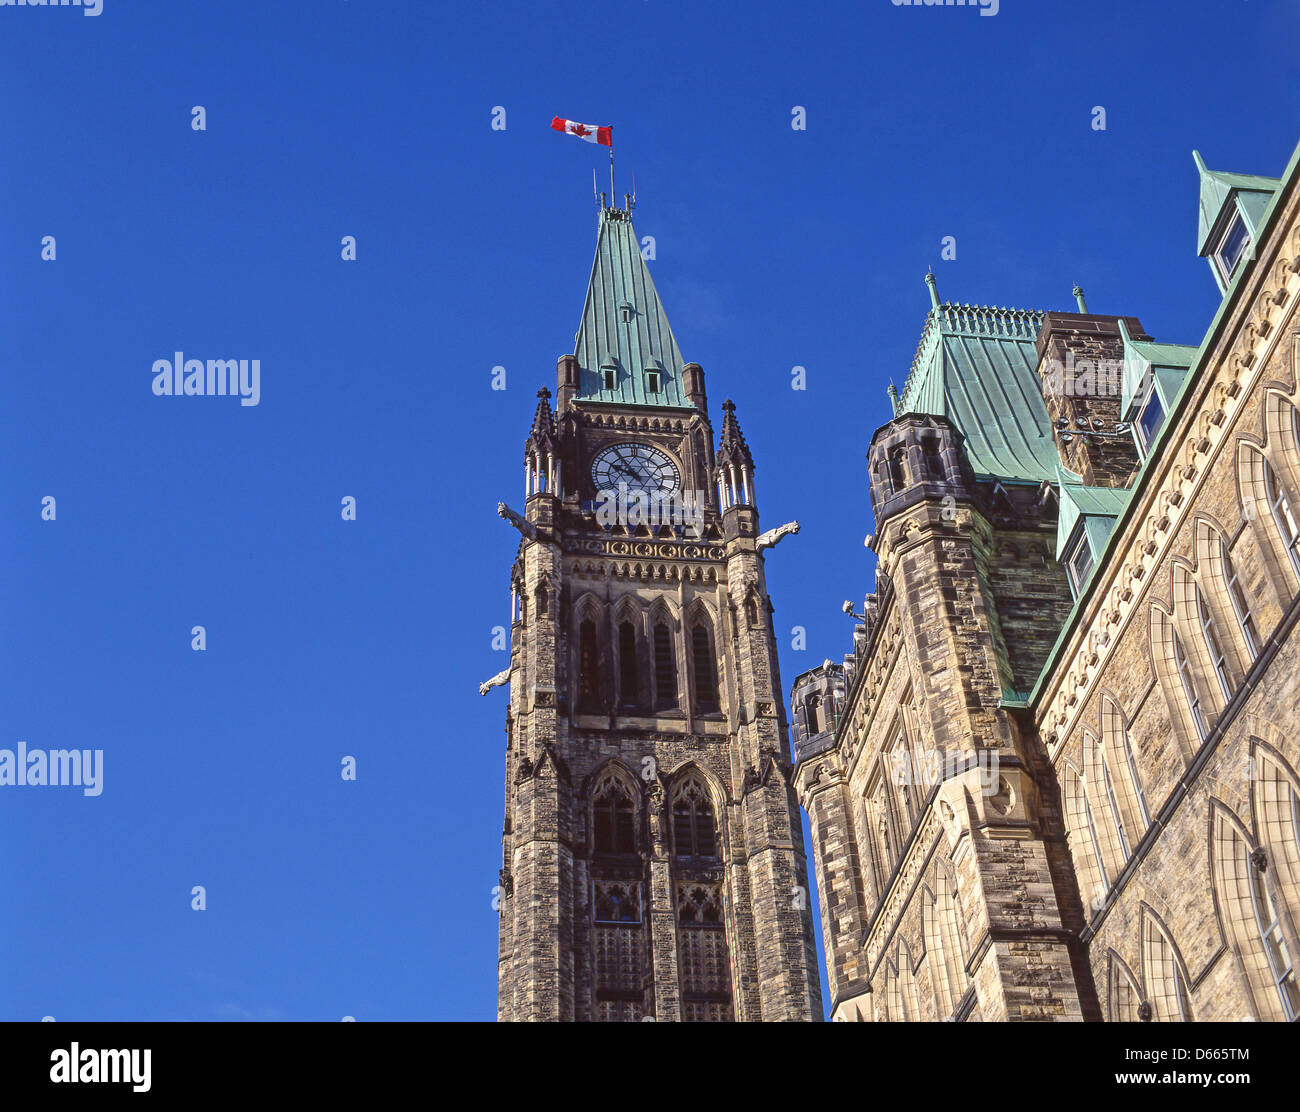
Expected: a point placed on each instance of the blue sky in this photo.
(326, 638)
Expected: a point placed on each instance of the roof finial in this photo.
(934, 289)
(893, 396)
(1078, 298)
(1200, 162)
(1123, 331)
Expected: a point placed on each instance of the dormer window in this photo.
(1233, 246)
(625, 312)
(609, 372)
(652, 382)
(1151, 416)
(1079, 561)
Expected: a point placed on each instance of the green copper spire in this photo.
(625, 346)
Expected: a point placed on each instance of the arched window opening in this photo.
(934, 469)
(588, 667)
(627, 670)
(540, 605)
(694, 829)
(1282, 508)
(1213, 645)
(665, 673)
(898, 469)
(1240, 604)
(1124, 995)
(1166, 982)
(815, 725)
(706, 676)
(1280, 963)
(1184, 668)
(613, 817)
(1124, 846)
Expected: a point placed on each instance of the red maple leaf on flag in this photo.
(579, 130)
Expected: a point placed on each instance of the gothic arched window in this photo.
(695, 831)
(627, 670)
(613, 817)
(588, 667)
(705, 674)
(665, 672)
(1240, 604)
(1184, 668)
(1284, 514)
(1213, 645)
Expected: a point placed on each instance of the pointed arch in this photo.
(664, 627)
(695, 808)
(1123, 995)
(1282, 436)
(944, 951)
(614, 801)
(1270, 506)
(908, 997)
(1114, 840)
(1222, 580)
(889, 1005)
(1081, 835)
(1201, 635)
(1173, 668)
(587, 654)
(702, 647)
(630, 652)
(1248, 916)
(1164, 972)
(1120, 759)
(1275, 807)
(704, 948)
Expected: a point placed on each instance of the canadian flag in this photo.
(592, 134)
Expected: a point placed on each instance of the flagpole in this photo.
(612, 202)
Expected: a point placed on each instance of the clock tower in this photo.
(652, 855)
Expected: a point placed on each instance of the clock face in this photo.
(640, 466)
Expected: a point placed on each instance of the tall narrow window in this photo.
(706, 676)
(665, 673)
(1189, 687)
(1114, 810)
(694, 832)
(588, 667)
(1214, 645)
(1279, 503)
(1280, 964)
(703, 957)
(1096, 842)
(815, 715)
(627, 677)
(1133, 775)
(1240, 605)
(613, 818)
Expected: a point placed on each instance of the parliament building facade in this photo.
(1056, 776)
